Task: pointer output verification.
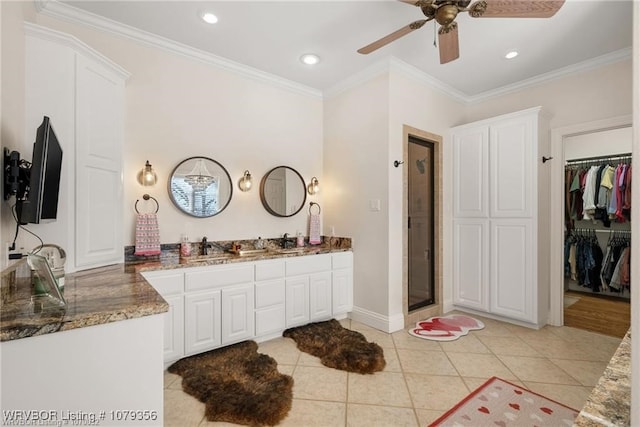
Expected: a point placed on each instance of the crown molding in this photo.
(72, 14)
(65, 39)
(69, 13)
(580, 67)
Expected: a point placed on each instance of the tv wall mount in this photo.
(16, 175)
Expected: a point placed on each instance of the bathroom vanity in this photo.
(223, 300)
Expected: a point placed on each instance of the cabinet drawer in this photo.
(266, 270)
(308, 264)
(208, 278)
(342, 260)
(269, 293)
(165, 283)
(270, 319)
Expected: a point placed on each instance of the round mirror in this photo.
(283, 191)
(200, 187)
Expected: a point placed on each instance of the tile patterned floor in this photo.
(423, 378)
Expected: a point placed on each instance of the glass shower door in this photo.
(420, 223)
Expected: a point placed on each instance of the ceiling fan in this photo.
(444, 12)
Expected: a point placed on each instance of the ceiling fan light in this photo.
(511, 54)
(209, 18)
(310, 59)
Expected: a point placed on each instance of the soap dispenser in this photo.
(300, 240)
(185, 246)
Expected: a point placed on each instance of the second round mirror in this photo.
(283, 191)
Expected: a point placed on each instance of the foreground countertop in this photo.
(94, 297)
(109, 294)
(610, 401)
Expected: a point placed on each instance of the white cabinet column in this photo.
(497, 265)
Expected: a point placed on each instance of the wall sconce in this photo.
(147, 176)
(245, 182)
(313, 186)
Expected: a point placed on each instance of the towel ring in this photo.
(147, 197)
(311, 206)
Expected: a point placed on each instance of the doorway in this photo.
(559, 136)
(420, 223)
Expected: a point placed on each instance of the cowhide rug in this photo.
(338, 347)
(237, 384)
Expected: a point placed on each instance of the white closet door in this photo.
(512, 155)
(470, 263)
(471, 172)
(512, 272)
(99, 135)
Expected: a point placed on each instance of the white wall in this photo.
(12, 134)
(177, 107)
(355, 167)
(603, 143)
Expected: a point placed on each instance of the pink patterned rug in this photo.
(500, 403)
(445, 328)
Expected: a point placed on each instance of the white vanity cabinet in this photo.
(170, 284)
(270, 296)
(342, 282)
(216, 305)
(501, 199)
(308, 289)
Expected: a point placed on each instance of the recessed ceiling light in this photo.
(209, 18)
(511, 54)
(310, 59)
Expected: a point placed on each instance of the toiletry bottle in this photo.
(185, 246)
(300, 240)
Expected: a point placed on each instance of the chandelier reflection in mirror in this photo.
(200, 186)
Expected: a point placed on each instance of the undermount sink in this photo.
(247, 252)
(206, 258)
(289, 250)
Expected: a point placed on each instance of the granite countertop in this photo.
(119, 292)
(97, 296)
(610, 401)
(171, 260)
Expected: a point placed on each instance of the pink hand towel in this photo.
(147, 235)
(314, 229)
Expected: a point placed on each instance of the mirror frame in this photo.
(226, 174)
(266, 204)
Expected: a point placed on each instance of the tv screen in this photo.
(41, 202)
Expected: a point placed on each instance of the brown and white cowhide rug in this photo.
(338, 347)
(237, 384)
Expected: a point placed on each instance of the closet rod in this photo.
(610, 157)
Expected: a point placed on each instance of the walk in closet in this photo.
(597, 244)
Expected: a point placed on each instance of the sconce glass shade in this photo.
(313, 187)
(147, 176)
(245, 182)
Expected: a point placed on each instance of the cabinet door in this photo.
(237, 313)
(342, 290)
(174, 329)
(202, 322)
(512, 272)
(270, 306)
(99, 136)
(512, 158)
(470, 263)
(471, 172)
(297, 300)
(320, 296)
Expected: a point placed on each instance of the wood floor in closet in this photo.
(606, 315)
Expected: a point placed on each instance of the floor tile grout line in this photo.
(404, 379)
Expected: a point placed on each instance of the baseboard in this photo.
(378, 321)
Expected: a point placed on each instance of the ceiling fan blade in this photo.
(391, 37)
(448, 44)
(515, 8)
